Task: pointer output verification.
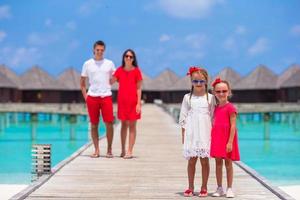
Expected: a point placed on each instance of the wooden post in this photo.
(61, 122)
(6, 120)
(73, 120)
(243, 118)
(266, 126)
(54, 118)
(15, 118)
(295, 121)
(1, 122)
(33, 123)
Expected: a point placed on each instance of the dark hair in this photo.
(99, 42)
(134, 62)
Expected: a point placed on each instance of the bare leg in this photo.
(219, 174)
(124, 127)
(191, 172)
(229, 172)
(95, 138)
(132, 136)
(205, 172)
(109, 136)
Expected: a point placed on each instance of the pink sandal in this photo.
(203, 193)
(188, 193)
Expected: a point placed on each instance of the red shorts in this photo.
(97, 104)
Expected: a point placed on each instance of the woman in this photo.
(129, 77)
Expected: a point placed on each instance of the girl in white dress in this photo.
(195, 120)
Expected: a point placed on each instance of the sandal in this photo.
(203, 193)
(188, 193)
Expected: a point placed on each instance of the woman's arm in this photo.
(232, 132)
(112, 80)
(139, 95)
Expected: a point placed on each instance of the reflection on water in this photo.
(270, 143)
(18, 131)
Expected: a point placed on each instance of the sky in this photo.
(174, 34)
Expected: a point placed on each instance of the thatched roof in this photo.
(164, 81)
(229, 75)
(37, 79)
(70, 78)
(260, 78)
(146, 86)
(12, 76)
(183, 84)
(6, 82)
(293, 81)
(287, 74)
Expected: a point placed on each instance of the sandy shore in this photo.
(292, 190)
(9, 190)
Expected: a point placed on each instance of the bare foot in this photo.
(128, 156)
(122, 154)
(95, 155)
(109, 155)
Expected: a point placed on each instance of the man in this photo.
(98, 99)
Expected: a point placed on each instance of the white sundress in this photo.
(195, 117)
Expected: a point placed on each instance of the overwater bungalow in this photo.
(259, 86)
(15, 93)
(179, 89)
(38, 86)
(7, 89)
(291, 88)
(71, 93)
(289, 84)
(160, 86)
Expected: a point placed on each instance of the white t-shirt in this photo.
(98, 72)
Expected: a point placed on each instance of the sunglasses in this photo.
(221, 91)
(128, 56)
(198, 81)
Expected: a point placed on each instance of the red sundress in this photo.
(220, 133)
(127, 93)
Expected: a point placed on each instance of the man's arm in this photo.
(83, 87)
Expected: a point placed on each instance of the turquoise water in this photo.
(276, 158)
(18, 133)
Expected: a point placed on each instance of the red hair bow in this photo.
(192, 70)
(218, 80)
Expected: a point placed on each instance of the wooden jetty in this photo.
(157, 171)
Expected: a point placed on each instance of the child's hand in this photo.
(229, 147)
(138, 108)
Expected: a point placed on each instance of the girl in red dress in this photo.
(224, 142)
(129, 77)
